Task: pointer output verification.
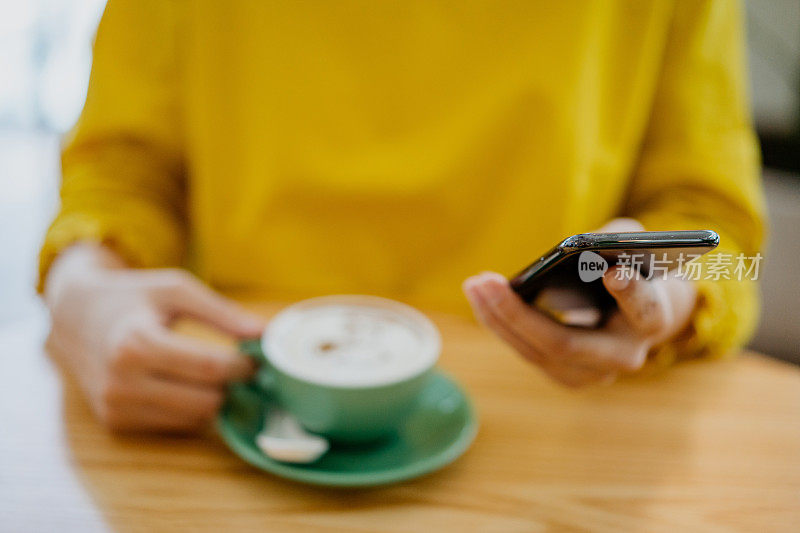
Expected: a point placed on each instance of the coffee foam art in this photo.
(351, 341)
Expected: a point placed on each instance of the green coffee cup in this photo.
(370, 402)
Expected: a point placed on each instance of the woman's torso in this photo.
(394, 148)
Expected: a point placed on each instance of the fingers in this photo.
(644, 303)
(556, 349)
(159, 380)
(165, 353)
(145, 418)
(563, 344)
(490, 320)
(183, 293)
(534, 328)
(185, 403)
(572, 375)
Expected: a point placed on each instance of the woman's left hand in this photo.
(649, 312)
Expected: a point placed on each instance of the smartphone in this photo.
(571, 272)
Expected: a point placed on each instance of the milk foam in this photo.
(351, 341)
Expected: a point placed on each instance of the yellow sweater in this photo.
(395, 147)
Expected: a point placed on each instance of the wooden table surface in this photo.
(706, 446)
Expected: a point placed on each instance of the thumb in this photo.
(192, 298)
(620, 225)
(643, 303)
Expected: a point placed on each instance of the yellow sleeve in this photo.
(699, 167)
(122, 177)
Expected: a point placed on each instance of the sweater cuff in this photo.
(138, 247)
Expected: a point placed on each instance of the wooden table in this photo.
(706, 446)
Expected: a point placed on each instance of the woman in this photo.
(392, 148)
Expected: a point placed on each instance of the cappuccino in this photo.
(351, 341)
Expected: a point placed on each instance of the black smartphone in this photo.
(572, 270)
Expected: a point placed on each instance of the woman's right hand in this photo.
(110, 329)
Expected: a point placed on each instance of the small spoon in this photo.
(285, 440)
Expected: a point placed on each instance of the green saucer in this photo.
(440, 429)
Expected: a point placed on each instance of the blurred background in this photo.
(45, 57)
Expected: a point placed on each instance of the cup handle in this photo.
(264, 381)
(252, 348)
